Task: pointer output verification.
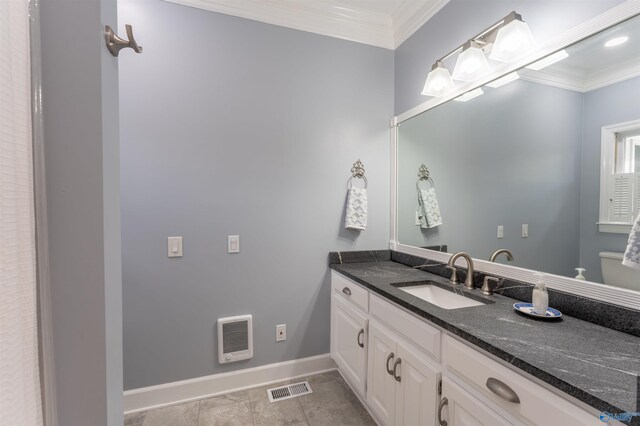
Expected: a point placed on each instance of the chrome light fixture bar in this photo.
(506, 40)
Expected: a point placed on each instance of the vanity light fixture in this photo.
(549, 60)
(616, 41)
(504, 80)
(506, 40)
(470, 95)
(438, 81)
(471, 62)
(513, 40)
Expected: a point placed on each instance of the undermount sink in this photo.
(440, 297)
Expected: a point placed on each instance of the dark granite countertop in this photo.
(594, 364)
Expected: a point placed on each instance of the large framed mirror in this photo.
(541, 172)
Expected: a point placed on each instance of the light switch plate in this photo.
(525, 230)
(233, 244)
(174, 246)
(500, 232)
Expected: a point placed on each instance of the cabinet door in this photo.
(349, 349)
(417, 391)
(463, 409)
(381, 388)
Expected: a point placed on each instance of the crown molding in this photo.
(411, 16)
(583, 82)
(330, 18)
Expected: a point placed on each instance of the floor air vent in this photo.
(289, 391)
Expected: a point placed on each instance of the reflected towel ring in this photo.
(423, 174)
(357, 171)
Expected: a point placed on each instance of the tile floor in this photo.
(331, 403)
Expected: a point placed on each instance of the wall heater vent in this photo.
(235, 338)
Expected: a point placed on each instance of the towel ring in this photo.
(357, 172)
(360, 177)
(423, 174)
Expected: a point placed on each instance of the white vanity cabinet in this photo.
(349, 323)
(460, 408)
(504, 388)
(407, 370)
(402, 384)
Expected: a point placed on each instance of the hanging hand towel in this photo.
(632, 253)
(356, 217)
(428, 209)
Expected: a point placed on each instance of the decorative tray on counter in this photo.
(527, 309)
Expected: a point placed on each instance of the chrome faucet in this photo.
(468, 283)
(499, 252)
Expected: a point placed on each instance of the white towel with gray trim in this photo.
(356, 216)
(632, 253)
(428, 209)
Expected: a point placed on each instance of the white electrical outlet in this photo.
(525, 230)
(281, 332)
(500, 231)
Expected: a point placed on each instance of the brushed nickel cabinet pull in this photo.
(443, 402)
(347, 291)
(360, 333)
(389, 358)
(395, 367)
(502, 390)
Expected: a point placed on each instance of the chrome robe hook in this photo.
(115, 44)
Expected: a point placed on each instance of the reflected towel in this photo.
(632, 253)
(428, 209)
(356, 216)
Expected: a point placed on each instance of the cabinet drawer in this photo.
(351, 291)
(421, 334)
(537, 405)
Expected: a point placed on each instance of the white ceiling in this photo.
(382, 23)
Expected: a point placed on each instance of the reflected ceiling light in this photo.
(616, 41)
(504, 80)
(438, 81)
(549, 60)
(507, 39)
(513, 40)
(469, 95)
(471, 62)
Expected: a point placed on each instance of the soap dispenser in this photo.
(580, 275)
(540, 297)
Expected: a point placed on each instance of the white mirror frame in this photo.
(605, 293)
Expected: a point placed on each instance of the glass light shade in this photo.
(471, 63)
(438, 81)
(513, 40)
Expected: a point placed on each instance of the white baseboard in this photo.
(142, 399)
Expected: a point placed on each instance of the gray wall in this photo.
(80, 106)
(461, 19)
(231, 126)
(610, 105)
(504, 158)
